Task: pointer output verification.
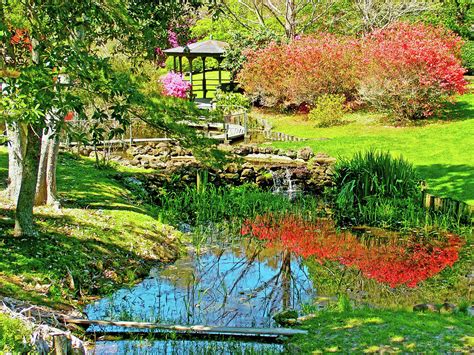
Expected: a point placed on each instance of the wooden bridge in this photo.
(232, 128)
(148, 328)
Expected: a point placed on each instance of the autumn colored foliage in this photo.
(407, 261)
(410, 70)
(294, 74)
(407, 70)
(21, 38)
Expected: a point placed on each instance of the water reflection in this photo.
(392, 259)
(184, 347)
(228, 285)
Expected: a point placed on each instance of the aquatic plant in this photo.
(402, 261)
(211, 204)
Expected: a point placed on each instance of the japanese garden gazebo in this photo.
(204, 49)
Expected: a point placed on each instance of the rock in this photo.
(163, 145)
(247, 173)
(447, 307)
(231, 176)
(286, 317)
(269, 150)
(470, 311)
(423, 307)
(232, 168)
(264, 179)
(291, 154)
(305, 153)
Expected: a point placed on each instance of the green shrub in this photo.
(467, 56)
(13, 335)
(328, 111)
(227, 102)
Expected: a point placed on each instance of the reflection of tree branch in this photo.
(246, 270)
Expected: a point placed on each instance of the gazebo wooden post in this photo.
(204, 86)
(190, 59)
(181, 65)
(219, 61)
(174, 64)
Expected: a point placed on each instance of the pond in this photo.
(274, 265)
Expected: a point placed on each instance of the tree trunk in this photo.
(286, 280)
(16, 144)
(46, 182)
(290, 19)
(26, 198)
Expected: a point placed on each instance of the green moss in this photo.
(376, 330)
(441, 150)
(13, 335)
(101, 239)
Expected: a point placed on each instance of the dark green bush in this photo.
(467, 55)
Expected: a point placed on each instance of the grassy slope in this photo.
(375, 330)
(442, 151)
(101, 239)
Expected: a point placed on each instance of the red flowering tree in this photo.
(410, 70)
(405, 261)
(294, 74)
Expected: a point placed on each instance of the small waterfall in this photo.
(283, 184)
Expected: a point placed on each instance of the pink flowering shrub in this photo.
(406, 70)
(174, 85)
(410, 70)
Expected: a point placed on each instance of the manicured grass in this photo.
(211, 80)
(441, 150)
(101, 239)
(377, 330)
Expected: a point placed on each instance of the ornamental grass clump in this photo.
(370, 179)
(174, 85)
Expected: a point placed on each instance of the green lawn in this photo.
(441, 150)
(377, 330)
(212, 81)
(103, 238)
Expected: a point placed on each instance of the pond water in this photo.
(280, 264)
(180, 347)
(240, 284)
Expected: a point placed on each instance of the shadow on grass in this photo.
(458, 111)
(455, 181)
(82, 185)
(368, 330)
(61, 265)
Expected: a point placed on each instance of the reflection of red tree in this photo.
(404, 261)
